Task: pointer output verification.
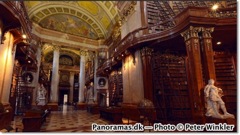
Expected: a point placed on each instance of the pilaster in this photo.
(194, 69)
(146, 54)
(208, 54)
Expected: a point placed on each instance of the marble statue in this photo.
(213, 102)
(90, 95)
(41, 95)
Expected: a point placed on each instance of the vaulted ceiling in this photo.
(89, 19)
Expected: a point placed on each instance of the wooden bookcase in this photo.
(13, 90)
(23, 96)
(115, 87)
(226, 79)
(170, 86)
(75, 88)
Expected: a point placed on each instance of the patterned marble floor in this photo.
(66, 120)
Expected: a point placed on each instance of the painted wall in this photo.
(133, 91)
(133, 21)
(7, 55)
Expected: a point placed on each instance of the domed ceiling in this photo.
(89, 19)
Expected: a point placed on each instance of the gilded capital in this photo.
(146, 51)
(72, 73)
(56, 47)
(206, 32)
(83, 52)
(191, 32)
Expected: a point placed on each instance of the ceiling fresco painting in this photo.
(88, 19)
(69, 24)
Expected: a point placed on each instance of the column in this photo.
(71, 81)
(95, 76)
(55, 75)
(7, 63)
(207, 52)
(132, 74)
(1, 26)
(36, 75)
(146, 54)
(194, 70)
(83, 55)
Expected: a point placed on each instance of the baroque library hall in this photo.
(118, 66)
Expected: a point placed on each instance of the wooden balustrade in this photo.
(195, 15)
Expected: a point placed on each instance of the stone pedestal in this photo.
(41, 101)
(53, 106)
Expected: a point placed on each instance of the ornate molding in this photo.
(209, 43)
(128, 11)
(193, 32)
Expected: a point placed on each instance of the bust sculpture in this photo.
(213, 102)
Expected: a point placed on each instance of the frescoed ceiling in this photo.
(89, 19)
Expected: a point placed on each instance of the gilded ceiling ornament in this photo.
(116, 31)
(128, 11)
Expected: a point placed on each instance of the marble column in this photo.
(132, 75)
(207, 52)
(146, 54)
(83, 55)
(7, 63)
(36, 75)
(194, 66)
(95, 76)
(71, 81)
(55, 75)
(1, 26)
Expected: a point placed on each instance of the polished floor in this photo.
(65, 120)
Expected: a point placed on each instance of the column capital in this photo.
(72, 73)
(83, 52)
(146, 51)
(191, 32)
(56, 47)
(206, 32)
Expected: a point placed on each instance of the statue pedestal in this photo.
(90, 101)
(42, 101)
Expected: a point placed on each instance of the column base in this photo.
(81, 106)
(52, 106)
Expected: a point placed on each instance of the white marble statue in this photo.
(90, 95)
(213, 99)
(41, 95)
